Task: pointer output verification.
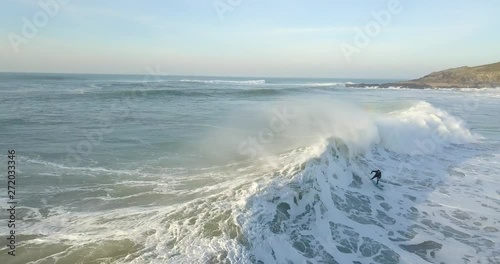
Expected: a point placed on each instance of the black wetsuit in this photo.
(378, 175)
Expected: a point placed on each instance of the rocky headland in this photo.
(484, 76)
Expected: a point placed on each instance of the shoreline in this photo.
(417, 86)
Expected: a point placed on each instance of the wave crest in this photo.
(423, 129)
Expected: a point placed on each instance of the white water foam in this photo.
(423, 129)
(245, 82)
(320, 206)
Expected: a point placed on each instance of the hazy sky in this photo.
(289, 38)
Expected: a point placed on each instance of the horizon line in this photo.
(186, 75)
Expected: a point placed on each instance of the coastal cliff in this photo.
(463, 77)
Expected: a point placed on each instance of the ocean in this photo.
(184, 169)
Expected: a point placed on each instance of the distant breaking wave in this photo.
(327, 84)
(314, 84)
(262, 82)
(254, 82)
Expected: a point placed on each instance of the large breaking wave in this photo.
(319, 206)
(314, 202)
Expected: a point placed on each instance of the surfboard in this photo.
(380, 186)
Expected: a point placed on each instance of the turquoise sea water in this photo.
(182, 169)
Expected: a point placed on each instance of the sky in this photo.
(398, 39)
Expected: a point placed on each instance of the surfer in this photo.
(378, 175)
